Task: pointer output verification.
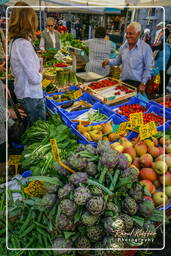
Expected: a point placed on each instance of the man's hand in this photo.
(142, 88)
(104, 63)
(13, 115)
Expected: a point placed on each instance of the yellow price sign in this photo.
(14, 160)
(122, 128)
(144, 132)
(152, 127)
(56, 155)
(45, 83)
(77, 94)
(136, 119)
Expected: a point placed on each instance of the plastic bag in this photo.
(142, 96)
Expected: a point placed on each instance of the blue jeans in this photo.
(35, 109)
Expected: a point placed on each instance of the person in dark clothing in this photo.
(78, 29)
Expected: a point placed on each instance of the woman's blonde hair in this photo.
(23, 22)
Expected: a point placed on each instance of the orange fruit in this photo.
(148, 174)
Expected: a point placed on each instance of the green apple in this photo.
(168, 191)
(159, 197)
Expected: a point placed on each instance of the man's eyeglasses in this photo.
(50, 25)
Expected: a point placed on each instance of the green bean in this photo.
(28, 230)
(38, 224)
(2, 201)
(30, 242)
(39, 217)
(13, 243)
(45, 241)
(26, 223)
(41, 231)
(40, 240)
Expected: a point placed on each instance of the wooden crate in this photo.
(111, 100)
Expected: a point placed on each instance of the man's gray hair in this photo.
(51, 19)
(136, 25)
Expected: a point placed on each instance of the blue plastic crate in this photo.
(160, 112)
(159, 128)
(153, 103)
(133, 100)
(69, 116)
(81, 139)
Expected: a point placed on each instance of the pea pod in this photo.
(28, 230)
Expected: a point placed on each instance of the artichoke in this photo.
(51, 188)
(128, 222)
(83, 242)
(112, 243)
(94, 233)
(131, 172)
(77, 162)
(80, 147)
(79, 177)
(150, 229)
(91, 169)
(96, 205)
(90, 149)
(137, 192)
(109, 159)
(112, 207)
(102, 147)
(65, 191)
(100, 252)
(65, 223)
(146, 208)
(81, 195)
(129, 206)
(113, 224)
(60, 169)
(61, 243)
(88, 219)
(68, 207)
(48, 200)
(96, 191)
(122, 162)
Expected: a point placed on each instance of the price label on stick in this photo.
(144, 132)
(152, 127)
(122, 128)
(14, 160)
(136, 119)
(56, 154)
(78, 94)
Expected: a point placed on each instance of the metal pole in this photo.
(40, 16)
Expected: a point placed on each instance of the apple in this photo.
(167, 179)
(159, 197)
(168, 191)
(119, 148)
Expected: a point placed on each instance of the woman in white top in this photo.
(99, 48)
(25, 63)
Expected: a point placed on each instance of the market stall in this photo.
(95, 177)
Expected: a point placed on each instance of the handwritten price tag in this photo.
(136, 119)
(147, 130)
(45, 83)
(152, 127)
(144, 132)
(78, 94)
(14, 160)
(56, 155)
(122, 128)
